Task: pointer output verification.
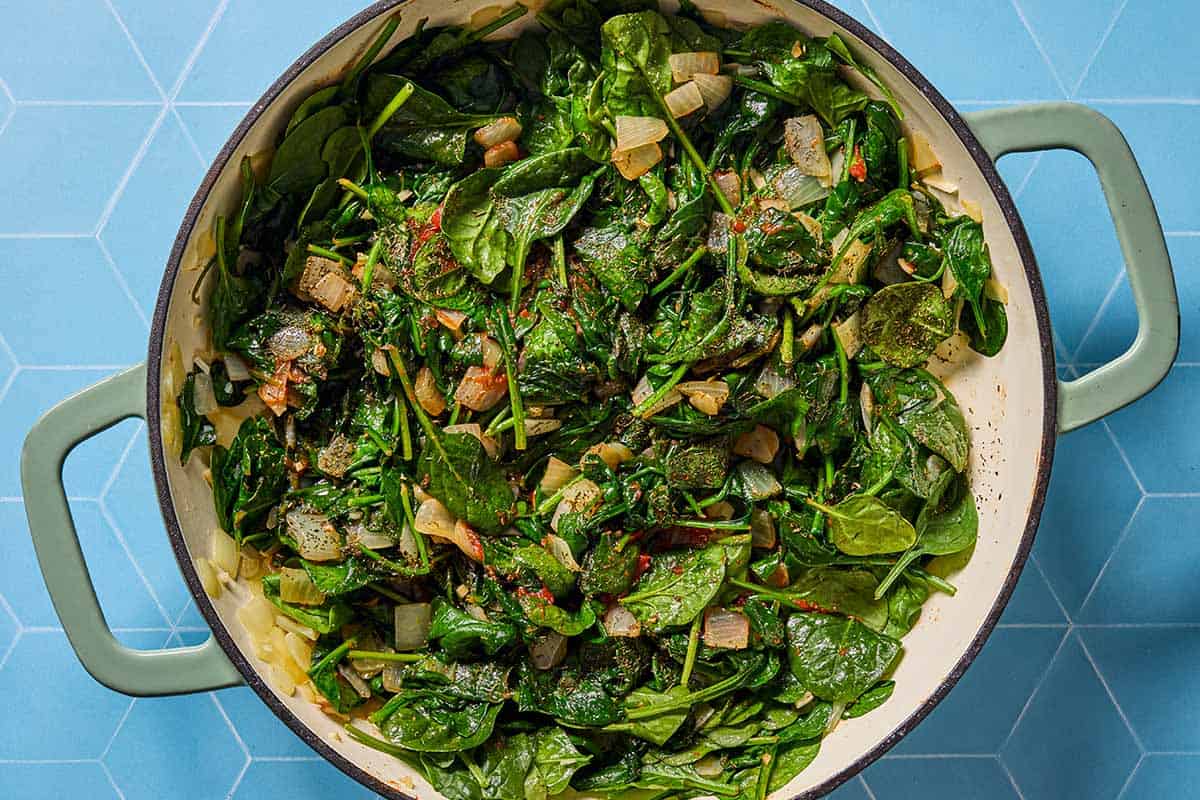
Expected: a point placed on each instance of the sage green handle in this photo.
(134, 672)
(1070, 126)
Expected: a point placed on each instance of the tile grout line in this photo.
(138, 157)
(188, 65)
(122, 281)
(1109, 297)
(1125, 531)
(187, 134)
(1087, 68)
(120, 463)
(1124, 457)
(1037, 43)
(1132, 774)
(1020, 190)
(116, 731)
(1011, 778)
(1111, 695)
(225, 716)
(1036, 689)
(137, 51)
(863, 780)
(112, 781)
(875, 20)
(1062, 608)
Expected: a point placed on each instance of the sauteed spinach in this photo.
(585, 436)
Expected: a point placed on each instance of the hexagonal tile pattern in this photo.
(110, 111)
(38, 666)
(133, 504)
(69, 160)
(1149, 669)
(1071, 740)
(72, 50)
(1156, 559)
(142, 228)
(206, 755)
(61, 282)
(1083, 519)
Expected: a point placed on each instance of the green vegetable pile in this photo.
(588, 462)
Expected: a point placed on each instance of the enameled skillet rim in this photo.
(158, 329)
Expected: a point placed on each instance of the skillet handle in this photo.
(1070, 126)
(140, 673)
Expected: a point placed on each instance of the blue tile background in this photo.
(109, 111)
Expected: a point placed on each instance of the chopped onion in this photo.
(940, 182)
(492, 354)
(715, 89)
(722, 509)
(548, 651)
(779, 577)
(369, 667)
(299, 650)
(427, 393)
(797, 188)
(760, 444)
(685, 66)
(468, 541)
(451, 320)
(393, 677)
(771, 383)
(726, 630)
(225, 555)
(434, 519)
(800, 440)
(620, 622)
(866, 406)
(490, 446)
(849, 334)
(996, 290)
(835, 717)
(291, 626)
(949, 284)
(481, 388)
(706, 396)
(501, 154)
(412, 621)
(333, 291)
(249, 564)
(376, 540)
(558, 474)
(644, 390)
(540, 427)
(638, 132)
(236, 368)
(296, 587)
(577, 497)
(561, 551)
(805, 143)
(684, 100)
(730, 185)
(633, 164)
(476, 612)
(408, 544)
(231, 585)
(257, 616)
(921, 158)
(281, 680)
(758, 481)
(710, 766)
(316, 538)
(718, 233)
(811, 336)
(355, 680)
(762, 529)
(505, 129)
(972, 210)
(204, 400)
(614, 454)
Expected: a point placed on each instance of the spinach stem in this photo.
(843, 368)
(454, 412)
(386, 592)
(346, 241)
(353, 188)
(692, 153)
(902, 157)
(765, 88)
(332, 657)
(369, 267)
(369, 56)
(411, 519)
(394, 566)
(689, 661)
(508, 347)
(560, 260)
(661, 392)
(473, 768)
(375, 655)
(398, 100)
(317, 250)
(764, 774)
(500, 422)
(513, 14)
(406, 445)
(365, 500)
(742, 524)
(691, 698)
(547, 505)
(680, 271)
(362, 737)
(787, 347)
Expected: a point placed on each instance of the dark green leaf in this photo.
(837, 658)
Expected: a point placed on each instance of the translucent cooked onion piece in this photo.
(805, 143)
(684, 100)
(706, 396)
(236, 368)
(685, 66)
(540, 427)
(577, 498)
(644, 390)
(557, 475)
(849, 334)
(730, 185)
(428, 395)
(760, 444)
(481, 389)
(633, 164)
(636, 132)
(412, 621)
(715, 89)
(758, 481)
(451, 320)
(204, 399)
(355, 680)
(866, 406)
(296, 587)
(762, 529)
(771, 383)
(501, 154)
(548, 651)
(614, 454)
(316, 538)
(726, 630)
(561, 551)
(921, 157)
(434, 519)
(225, 554)
(505, 129)
(620, 622)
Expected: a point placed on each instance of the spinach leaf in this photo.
(195, 429)
(634, 57)
(790, 760)
(323, 619)
(679, 585)
(425, 128)
(543, 613)
(249, 477)
(567, 696)
(332, 579)
(849, 592)
(967, 259)
(462, 635)
(863, 525)
(426, 724)
(947, 524)
(297, 166)
(870, 700)
(905, 322)
(545, 569)
(837, 658)
(657, 729)
(459, 472)
(555, 762)
(324, 675)
(610, 567)
(472, 225)
(988, 340)
(505, 764)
